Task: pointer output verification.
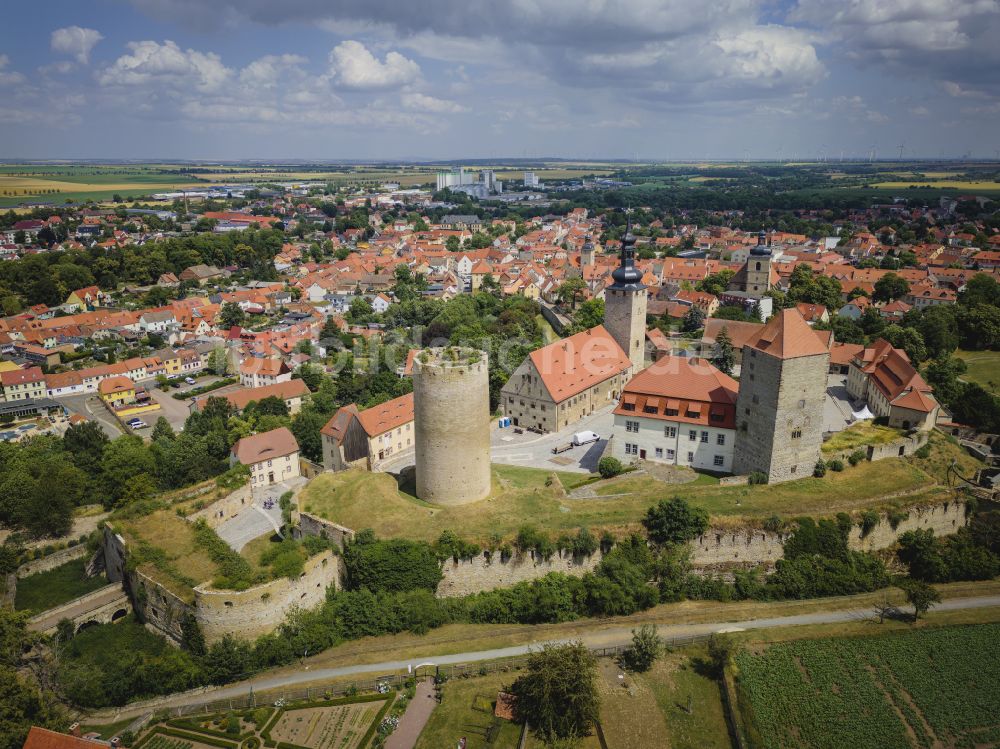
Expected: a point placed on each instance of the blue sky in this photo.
(370, 79)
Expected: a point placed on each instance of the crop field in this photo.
(333, 727)
(921, 688)
(943, 184)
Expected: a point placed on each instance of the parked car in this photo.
(585, 438)
(189, 380)
(138, 424)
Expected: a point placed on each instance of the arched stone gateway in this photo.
(102, 606)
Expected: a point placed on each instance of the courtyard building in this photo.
(369, 438)
(680, 411)
(271, 456)
(883, 377)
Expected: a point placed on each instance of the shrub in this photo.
(674, 521)
(869, 519)
(896, 517)
(530, 538)
(757, 477)
(923, 452)
(819, 470)
(393, 565)
(609, 467)
(836, 465)
(856, 457)
(774, 524)
(645, 648)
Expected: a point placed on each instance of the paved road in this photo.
(602, 638)
(88, 406)
(254, 521)
(535, 450)
(417, 713)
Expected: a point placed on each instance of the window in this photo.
(718, 461)
(659, 452)
(704, 436)
(631, 449)
(669, 431)
(671, 454)
(628, 406)
(755, 400)
(796, 434)
(692, 435)
(690, 457)
(649, 409)
(269, 464)
(720, 439)
(793, 469)
(671, 412)
(802, 403)
(691, 414)
(631, 426)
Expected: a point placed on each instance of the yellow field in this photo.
(945, 184)
(34, 185)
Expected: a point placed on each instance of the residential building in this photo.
(883, 377)
(255, 373)
(680, 411)
(22, 384)
(272, 457)
(369, 438)
(117, 392)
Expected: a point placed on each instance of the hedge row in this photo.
(195, 737)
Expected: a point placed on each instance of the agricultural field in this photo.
(61, 182)
(46, 590)
(923, 688)
(326, 727)
(983, 368)
(942, 184)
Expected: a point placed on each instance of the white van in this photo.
(584, 438)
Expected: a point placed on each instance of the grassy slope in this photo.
(362, 500)
(858, 434)
(45, 590)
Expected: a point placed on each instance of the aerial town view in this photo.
(515, 375)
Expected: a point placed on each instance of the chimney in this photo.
(74, 730)
(116, 742)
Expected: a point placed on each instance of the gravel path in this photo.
(418, 712)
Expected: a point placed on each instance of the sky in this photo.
(463, 79)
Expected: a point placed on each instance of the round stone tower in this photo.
(451, 409)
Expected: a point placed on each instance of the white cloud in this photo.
(355, 67)
(76, 41)
(267, 71)
(416, 102)
(152, 63)
(8, 78)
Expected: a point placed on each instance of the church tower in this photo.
(759, 268)
(625, 304)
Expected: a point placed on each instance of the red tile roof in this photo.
(265, 446)
(389, 415)
(693, 391)
(787, 336)
(43, 738)
(572, 365)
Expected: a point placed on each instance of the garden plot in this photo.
(326, 727)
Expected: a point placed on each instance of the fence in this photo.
(392, 681)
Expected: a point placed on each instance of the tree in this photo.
(588, 315)
(920, 595)
(231, 315)
(693, 320)
(908, 339)
(939, 328)
(360, 311)
(305, 427)
(725, 356)
(646, 647)
(162, 430)
(124, 459)
(85, 442)
(890, 287)
(716, 283)
(558, 694)
(674, 521)
(570, 290)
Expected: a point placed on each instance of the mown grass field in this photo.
(46, 590)
(462, 712)
(358, 499)
(983, 368)
(923, 688)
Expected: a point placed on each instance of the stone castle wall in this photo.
(262, 609)
(944, 519)
(53, 560)
(488, 571)
(906, 445)
(224, 509)
(310, 525)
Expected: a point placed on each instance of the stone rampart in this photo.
(905, 445)
(224, 509)
(263, 608)
(53, 560)
(310, 525)
(944, 519)
(489, 571)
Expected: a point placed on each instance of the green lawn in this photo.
(458, 716)
(682, 679)
(46, 590)
(983, 368)
(860, 434)
(358, 499)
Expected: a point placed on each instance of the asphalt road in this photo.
(602, 638)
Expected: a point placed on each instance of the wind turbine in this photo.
(871, 154)
(901, 147)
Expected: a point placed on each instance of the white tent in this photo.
(863, 415)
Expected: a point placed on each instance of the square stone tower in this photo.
(625, 305)
(779, 410)
(759, 268)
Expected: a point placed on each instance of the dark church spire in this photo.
(626, 275)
